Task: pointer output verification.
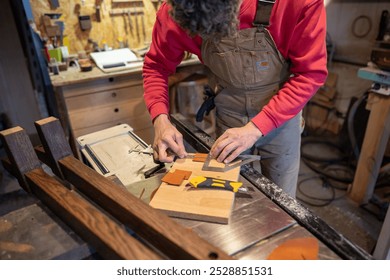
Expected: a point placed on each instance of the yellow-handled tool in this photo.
(212, 183)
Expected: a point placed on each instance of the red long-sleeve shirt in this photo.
(298, 28)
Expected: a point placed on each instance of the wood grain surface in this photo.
(199, 204)
(150, 224)
(62, 148)
(15, 141)
(110, 29)
(153, 226)
(109, 238)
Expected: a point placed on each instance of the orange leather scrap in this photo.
(176, 177)
(185, 173)
(200, 157)
(296, 249)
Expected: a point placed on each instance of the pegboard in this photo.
(113, 22)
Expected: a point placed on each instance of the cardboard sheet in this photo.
(199, 204)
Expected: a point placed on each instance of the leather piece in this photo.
(296, 249)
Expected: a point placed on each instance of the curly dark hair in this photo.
(208, 18)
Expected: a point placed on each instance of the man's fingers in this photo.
(226, 153)
(232, 155)
(221, 148)
(167, 150)
(177, 146)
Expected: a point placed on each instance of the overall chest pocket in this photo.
(246, 62)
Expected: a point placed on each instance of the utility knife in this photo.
(213, 183)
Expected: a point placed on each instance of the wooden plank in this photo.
(130, 109)
(15, 141)
(62, 148)
(75, 83)
(373, 149)
(198, 204)
(97, 98)
(109, 238)
(156, 228)
(152, 225)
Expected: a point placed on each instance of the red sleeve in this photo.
(169, 42)
(300, 35)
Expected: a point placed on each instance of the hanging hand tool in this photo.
(61, 25)
(136, 23)
(143, 21)
(125, 24)
(202, 182)
(130, 22)
(98, 4)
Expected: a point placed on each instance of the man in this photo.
(268, 59)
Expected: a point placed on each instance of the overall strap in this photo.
(263, 12)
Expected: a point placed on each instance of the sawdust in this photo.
(289, 204)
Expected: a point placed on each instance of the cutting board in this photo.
(197, 204)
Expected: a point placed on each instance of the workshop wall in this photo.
(113, 22)
(18, 103)
(352, 27)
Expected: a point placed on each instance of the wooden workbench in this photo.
(256, 228)
(262, 219)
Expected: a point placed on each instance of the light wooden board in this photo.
(198, 204)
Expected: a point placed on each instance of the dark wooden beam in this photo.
(158, 229)
(108, 237)
(56, 143)
(20, 153)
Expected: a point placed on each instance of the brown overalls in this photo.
(249, 70)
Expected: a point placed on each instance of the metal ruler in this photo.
(239, 161)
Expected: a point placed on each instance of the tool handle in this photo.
(214, 183)
(153, 170)
(207, 105)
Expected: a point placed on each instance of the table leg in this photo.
(373, 149)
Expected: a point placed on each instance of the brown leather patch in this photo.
(296, 249)
(176, 177)
(200, 157)
(185, 173)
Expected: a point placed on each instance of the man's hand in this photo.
(234, 141)
(168, 142)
